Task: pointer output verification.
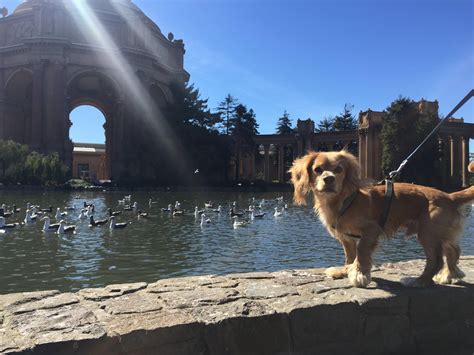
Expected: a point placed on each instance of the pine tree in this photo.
(403, 130)
(226, 110)
(325, 125)
(284, 124)
(345, 121)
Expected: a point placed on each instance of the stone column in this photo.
(266, 166)
(252, 164)
(37, 107)
(451, 158)
(2, 114)
(299, 145)
(281, 164)
(362, 160)
(465, 160)
(368, 155)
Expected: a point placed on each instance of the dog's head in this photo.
(326, 174)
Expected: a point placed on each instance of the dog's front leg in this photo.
(350, 252)
(359, 270)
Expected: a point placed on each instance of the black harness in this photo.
(389, 191)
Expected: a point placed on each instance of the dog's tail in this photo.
(464, 196)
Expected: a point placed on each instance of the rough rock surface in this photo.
(285, 312)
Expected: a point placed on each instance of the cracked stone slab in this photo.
(132, 303)
(98, 294)
(264, 289)
(200, 296)
(55, 301)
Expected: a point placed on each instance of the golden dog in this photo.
(434, 216)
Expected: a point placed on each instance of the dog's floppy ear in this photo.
(471, 167)
(352, 166)
(301, 177)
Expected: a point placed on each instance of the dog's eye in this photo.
(318, 170)
(338, 170)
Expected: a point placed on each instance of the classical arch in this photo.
(58, 65)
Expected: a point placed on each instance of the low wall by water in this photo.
(286, 312)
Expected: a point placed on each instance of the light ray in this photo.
(91, 27)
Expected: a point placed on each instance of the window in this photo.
(83, 170)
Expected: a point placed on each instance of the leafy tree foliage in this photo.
(284, 124)
(20, 166)
(325, 125)
(345, 121)
(403, 130)
(226, 110)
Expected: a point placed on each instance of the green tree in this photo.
(345, 121)
(243, 127)
(325, 125)
(226, 110)
(12, 158)
(284, 124)
(403, 130)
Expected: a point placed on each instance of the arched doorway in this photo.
(87, 133)
(94, 95)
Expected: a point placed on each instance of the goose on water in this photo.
(197, 212)
(257, 215)
(151, 202)
(59, 214)
(208, 205)
(65, 229)
(238, 224)
(48, 210)
(48, 227)
(82, 215)
(113, 213)
(168, 209)
(204, 220)
(277, 213)
(233, 213)
(142, 214)
(7, 226)
(30, 217)
(114, 225)
(4, 212)
(95, 223)
(178, 213)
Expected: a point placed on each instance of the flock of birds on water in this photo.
(33, 213)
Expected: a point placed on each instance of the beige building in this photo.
(88, 162)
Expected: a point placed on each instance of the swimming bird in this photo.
(233, 213)
(99, 222)
(114, 225)
(113, 213)
(197, 212)
(279, 199)
(168, 209)
(286, 206)
(178, 213)
(4, 212)
(15, 209)
(238, 224)
(48, 227)
(48, 210)
(7, 226)
(59, 214)
(142, 214)
(208, 204)
(82, 215)
(277, 213)
(218, 210)
(135, 205)
(30, 217)
(257, 215)
(65, 229)
(204, 220)
(151, 202)
(127, 208)
(177, 205)
(70, 208)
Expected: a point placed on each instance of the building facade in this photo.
(56, 55)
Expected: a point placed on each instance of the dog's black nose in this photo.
(329, 180)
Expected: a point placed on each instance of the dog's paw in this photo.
(357, 278)
(446, 277)
(336, 272)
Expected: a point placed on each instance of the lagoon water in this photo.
(164, 246)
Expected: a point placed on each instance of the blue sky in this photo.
(310, 57)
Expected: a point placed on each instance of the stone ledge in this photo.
(285, 312)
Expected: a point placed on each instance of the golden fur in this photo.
(471, 167)
(434, 216)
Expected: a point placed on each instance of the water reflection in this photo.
(168, 246)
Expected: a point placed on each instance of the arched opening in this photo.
(87, 133)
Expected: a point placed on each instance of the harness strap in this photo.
(386, 203)
(348, 202)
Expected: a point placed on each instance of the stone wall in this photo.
(286, 312)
